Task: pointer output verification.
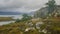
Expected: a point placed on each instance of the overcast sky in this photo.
(22, 5)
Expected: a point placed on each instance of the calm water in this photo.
(14, 16)
(7, 22)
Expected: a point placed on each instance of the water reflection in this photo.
(6, 22)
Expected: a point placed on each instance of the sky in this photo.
(22, 5)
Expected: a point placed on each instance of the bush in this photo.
(26, 17)
(18, 20)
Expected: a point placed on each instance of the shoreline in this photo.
(6, 19)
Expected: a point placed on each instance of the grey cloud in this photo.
(22, 5)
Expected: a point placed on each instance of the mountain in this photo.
(14, 13)
(10, 13)
(31, 13)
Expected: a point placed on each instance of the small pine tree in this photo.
(51, 6)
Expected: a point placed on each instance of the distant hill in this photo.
(31, 13)
(10, 13)
(14, 13)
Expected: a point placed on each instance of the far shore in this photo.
(6, 19)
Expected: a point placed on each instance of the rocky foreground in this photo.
(34, 26)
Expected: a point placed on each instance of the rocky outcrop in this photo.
(43, 12)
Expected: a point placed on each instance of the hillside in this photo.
(19, 28)
(32, 27)
(43, 12)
